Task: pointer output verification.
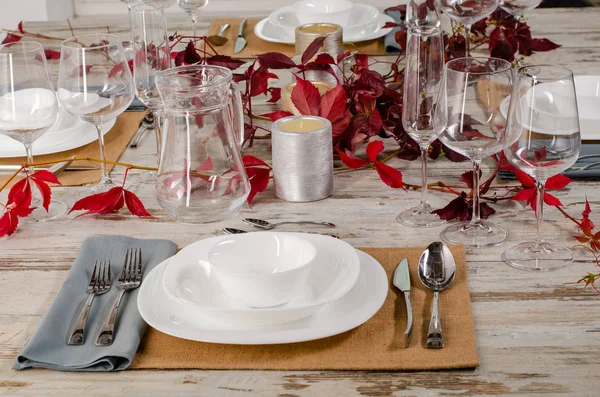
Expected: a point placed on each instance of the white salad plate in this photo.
(175, 318)
(191, 280)
(268, 31)
(67, 133)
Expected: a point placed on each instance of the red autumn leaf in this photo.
(324, 59)
(52, 54)
(20, 27)
(275, 94)
(375, 122)
(101, 203)
(351, 161)
(341, 125)
(8, 223)
(118, 68)
(557, 182)
(191, 56)
(251, 161)
(274, 116)
(134, 204)
(333, 103)
(41, 179)
(11, 38)
(390, 176)
(259, 180)
(455, 209)
(370, 83)
(259, 82)
(306, 97)
(276, 60)
(373, 149)
(586, 224)
(312, 49)
(179, 58)
(543, 45)
(79, 71)
(362, 62)
(225, 61)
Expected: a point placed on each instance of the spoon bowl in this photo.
(265, 225)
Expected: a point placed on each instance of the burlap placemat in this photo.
(115, 141)
(258, 46)
(375, 345)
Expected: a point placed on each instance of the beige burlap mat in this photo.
(375, 345)
(116, 141)
(258, 46)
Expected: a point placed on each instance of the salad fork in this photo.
(98, 285)
(130, 278)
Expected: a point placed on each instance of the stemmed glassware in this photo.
(192, 7)
(467, 12)
(160, 3)
(151, 46)
(96, 85)
(517, 8)
(543, 140)
(471, 123)
(422, 82)
(28, 106)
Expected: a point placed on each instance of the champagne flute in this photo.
(517, 8)
(467, 12)
(151, 46)
(544, 140)
(422, 82)
(28, 107)
(192, 7)
(96, 85)
(471, 123)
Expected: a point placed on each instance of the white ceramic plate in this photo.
(66, 134)
(348, 312)
(334, 272)
(265, 30)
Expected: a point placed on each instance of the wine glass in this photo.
(544, 140)
(471, 123)
(152, 55)
(160, 3)
(96, 85)
(192, 7)
(28, 107)
(422, 82)
(467, 12)
(517, 8)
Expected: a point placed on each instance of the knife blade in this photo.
(240, 43)
(401, 281)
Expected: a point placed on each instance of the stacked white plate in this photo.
(182, 297)
(360, 22)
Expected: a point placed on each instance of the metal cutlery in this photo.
(232, 230)
(219, 39)
(130, 278)
(147, 123)
(437, 269)
(401, 281)
(241, 42)
(98, 285)
(261, 224)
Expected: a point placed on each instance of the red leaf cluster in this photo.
(258, 175)
(529, 191)
(389, 175)
(461, 208)
(110, 201)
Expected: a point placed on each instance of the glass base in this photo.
(537, 257)
(419, 217)
(479, 235)
(55, 209)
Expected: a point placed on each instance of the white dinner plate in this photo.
(265, 30)
(353, 309)
(189, 279)
(66, 134)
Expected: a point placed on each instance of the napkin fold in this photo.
(48, 347)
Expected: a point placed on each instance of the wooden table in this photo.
(535, 335)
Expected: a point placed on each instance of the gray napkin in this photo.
(48, 347)
(391, 45)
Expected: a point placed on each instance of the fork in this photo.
(98, 285)
(130, 278)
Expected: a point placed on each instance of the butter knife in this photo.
(240, 43)
(402, 281)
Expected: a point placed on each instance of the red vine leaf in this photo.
(251, 161)
(118, 68)
(134, 204)
(191, 56)
(350, 160)
(324, 59)
(11, 38)
(79, 71)
(312, 49)
(110, 201)
(20, 27)
(333, 103)
(225, 61)
(274, 116)
(276, 60)
(259, 81)
(259, 180)
(543, 45)
(275, 94)
(390, 176)
(373, 149)
(306, 97)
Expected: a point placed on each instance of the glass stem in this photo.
(468, 39)
(476, 218)
(539, 212)
(103, 166)
(37, 198)
(424, 154)
(194, 25)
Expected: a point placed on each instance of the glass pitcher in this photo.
(201, 177)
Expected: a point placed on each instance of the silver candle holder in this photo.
(302, 158)
(333, 44)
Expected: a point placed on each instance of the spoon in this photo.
(259, 223)
(233, 230)
(146, 124)
(218, 39)
(437, 269)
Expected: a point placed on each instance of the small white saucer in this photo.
(353, 309)
(189, 279)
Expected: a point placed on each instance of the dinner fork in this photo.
(130, 278)
(98, 285)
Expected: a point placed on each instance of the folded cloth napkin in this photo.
(48, 347)
(391, 45)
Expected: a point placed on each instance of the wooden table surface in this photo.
(535, 335)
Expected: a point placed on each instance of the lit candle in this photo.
(302, 158)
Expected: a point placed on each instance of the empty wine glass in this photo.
(192, 7)
(469, 116)
(28, 106)
(544, 140)
(517, 8)
(422, 81)
(151, 47)
(96, 85)
(467, 12)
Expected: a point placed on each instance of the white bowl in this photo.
(262, 269)
(330, 11)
